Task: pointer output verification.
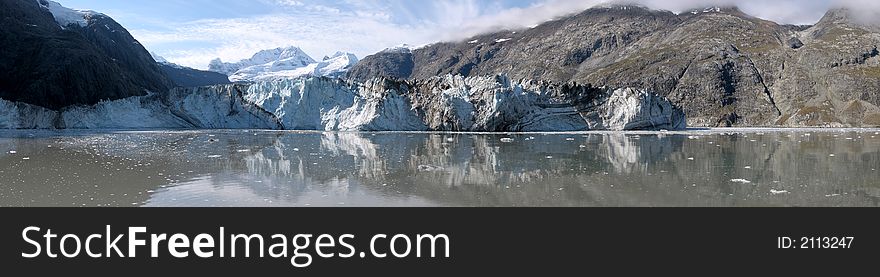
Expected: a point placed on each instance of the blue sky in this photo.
(192, 32)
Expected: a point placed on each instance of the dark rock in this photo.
(54, 67)
(190, 77)
(392, 64)
(795, 43)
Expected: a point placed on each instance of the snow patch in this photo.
(66, 16)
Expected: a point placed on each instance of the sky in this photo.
(193, 32)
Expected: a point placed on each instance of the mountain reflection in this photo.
(241, 168)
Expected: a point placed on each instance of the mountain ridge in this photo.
(70, 57)
(724, 67)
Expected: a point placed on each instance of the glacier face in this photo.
(215, 107)
(25, 116)
(450, 103)
(455, 103)
(332, 104)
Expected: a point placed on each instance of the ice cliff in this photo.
(217, 107)
(450, 103)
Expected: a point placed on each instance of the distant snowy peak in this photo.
(280, 63)
(279, 59)
(67, 16)
(331, 66)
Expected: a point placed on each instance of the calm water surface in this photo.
(726, 167)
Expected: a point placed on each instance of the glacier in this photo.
(448, 103)
(215, 107)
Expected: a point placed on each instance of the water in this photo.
(726, 167)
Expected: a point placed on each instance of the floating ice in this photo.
(773, 191)
(427, 167)
(12, 152)
(506, 140)
(743, 181)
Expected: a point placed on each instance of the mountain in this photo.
(183, 76)
(55, 57)
(395, 63)
(722, 66)
(286, 58)
(289, 62)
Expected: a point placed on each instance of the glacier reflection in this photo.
(263, 168)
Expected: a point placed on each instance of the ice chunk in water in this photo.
(506, 140)
(743, 181)
(427, 167)
(773, 191)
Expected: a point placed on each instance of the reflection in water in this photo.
(269, 168)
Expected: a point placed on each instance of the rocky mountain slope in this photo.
(183, 76)
(56, 57)
(723, 67)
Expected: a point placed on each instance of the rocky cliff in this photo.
(56, 57)
(722, 66)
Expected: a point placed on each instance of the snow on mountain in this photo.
(162, 60)
(284, 63)
(278, 59)
(67, 16)
(333, 66)
(408, 48)
(157, 58)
